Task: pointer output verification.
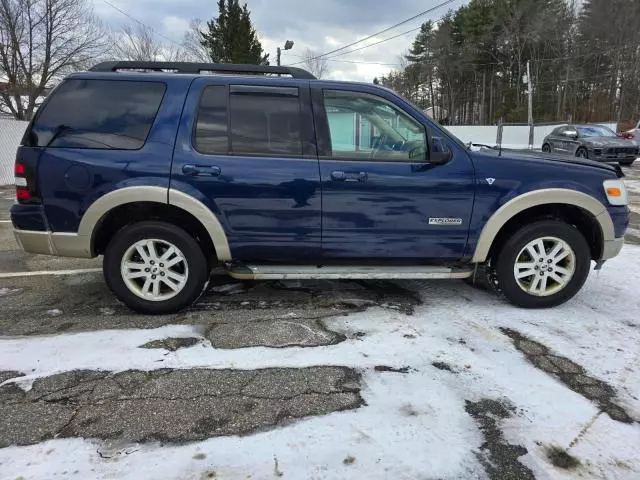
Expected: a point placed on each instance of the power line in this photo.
(140, 22)
(376, 43)
(440, 5)
(349, 61)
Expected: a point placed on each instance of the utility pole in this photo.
(278, 56)
(530, 120)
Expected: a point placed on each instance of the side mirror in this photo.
(440, 158)
(439, 153)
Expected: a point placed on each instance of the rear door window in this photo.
(265, 121)
(249, 120)
(98, 114)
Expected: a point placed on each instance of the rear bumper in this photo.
(612, 248)
(49, 243)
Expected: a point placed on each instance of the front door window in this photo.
(366, 127)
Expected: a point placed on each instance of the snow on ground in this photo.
(414, 425)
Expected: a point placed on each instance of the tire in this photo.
(627, 163)
(179, 284)
(576, 265)
(546, 148)
(582, 153)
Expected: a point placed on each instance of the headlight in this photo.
(616, 192)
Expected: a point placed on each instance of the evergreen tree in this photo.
(231, 37)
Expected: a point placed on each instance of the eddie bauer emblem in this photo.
(445, 221)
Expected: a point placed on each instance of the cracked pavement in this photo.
(170, 405)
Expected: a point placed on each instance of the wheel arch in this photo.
(544, 197)
(100, 210)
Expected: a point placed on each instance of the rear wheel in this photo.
(546, 148)
(627, 163)
(582, 153)
(543, 264)
(155, 267)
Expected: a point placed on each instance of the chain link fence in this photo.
(11, 132)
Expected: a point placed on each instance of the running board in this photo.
(282, 272)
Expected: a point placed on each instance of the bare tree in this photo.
(192, 47)
(137, 42)
(318, 66)
(40, 41)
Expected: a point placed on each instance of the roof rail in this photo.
(189, 67)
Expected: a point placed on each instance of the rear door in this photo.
(246, 149)
(381, 199)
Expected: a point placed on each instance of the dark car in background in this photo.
(595, 142)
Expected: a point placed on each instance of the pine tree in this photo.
(231, 37)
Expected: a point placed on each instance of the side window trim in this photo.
(322, 121)
(264, 89)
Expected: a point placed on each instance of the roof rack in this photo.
(189, 67)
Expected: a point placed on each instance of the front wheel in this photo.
(582, 153)
(546, 148)
(155, 267)
(543, 264)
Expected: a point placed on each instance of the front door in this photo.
(381, 199)
(246, 149)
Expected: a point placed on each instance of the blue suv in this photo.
(172, 169)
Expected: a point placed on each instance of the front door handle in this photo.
(340, 176)
(201, 170)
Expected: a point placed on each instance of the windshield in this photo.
(595, 131)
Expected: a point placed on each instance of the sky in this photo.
(320, 25)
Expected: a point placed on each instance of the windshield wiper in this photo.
(57, 131)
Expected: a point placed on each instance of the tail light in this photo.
(23, 194)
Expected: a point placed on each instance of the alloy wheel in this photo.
(544, 266)
(155, 270)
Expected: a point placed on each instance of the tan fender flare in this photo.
(116, 198)
(534, 199)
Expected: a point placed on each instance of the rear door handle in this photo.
(201, 170)
(340, 176)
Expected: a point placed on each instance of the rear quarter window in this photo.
(98, 114)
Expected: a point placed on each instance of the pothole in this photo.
(571, 374)
(499, 458)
